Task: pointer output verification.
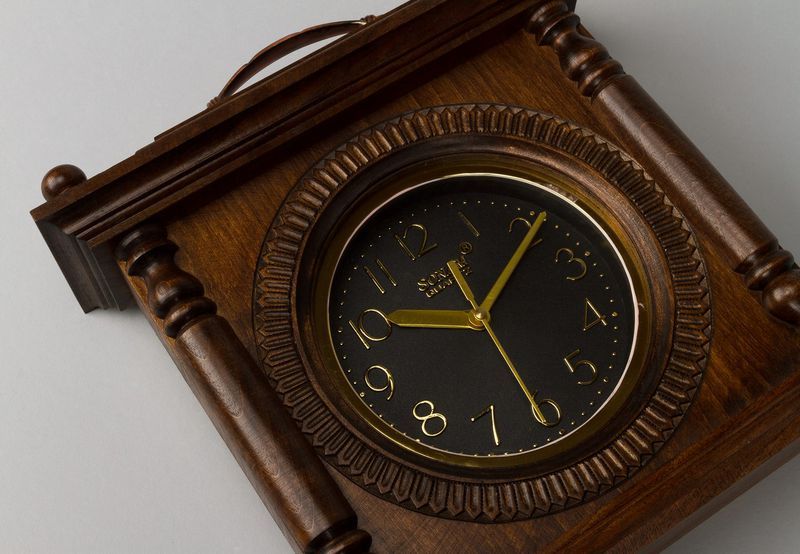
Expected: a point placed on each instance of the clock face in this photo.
(481, 316)
(482, 312)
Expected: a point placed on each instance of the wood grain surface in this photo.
(216, 182)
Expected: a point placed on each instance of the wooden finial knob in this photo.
(60, 178)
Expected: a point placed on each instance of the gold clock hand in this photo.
(537, 411)
(483, 318)
(434, 319)
(452, 265)
(512, 264)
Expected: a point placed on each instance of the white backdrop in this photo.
(103, 448)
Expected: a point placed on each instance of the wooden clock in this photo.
(453, 282)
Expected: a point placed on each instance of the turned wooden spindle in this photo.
(642, 128)
(584, 60)
(774, 273)
(281, 464)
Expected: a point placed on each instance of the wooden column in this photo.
(641, 127)
(281, 464)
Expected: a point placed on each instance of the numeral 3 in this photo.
(581, 265)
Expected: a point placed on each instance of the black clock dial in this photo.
(546, 357)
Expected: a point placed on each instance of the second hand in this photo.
(537, 412)
(483, 318)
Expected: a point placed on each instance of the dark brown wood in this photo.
(61, 178)
(283, 47)
(97, 282)
(640, 126)
(200, 153)
(583, 60)
(287, 346)
(277, 459)
(217, 181)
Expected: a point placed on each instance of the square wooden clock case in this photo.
(453, 282)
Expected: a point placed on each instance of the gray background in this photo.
(103, 448)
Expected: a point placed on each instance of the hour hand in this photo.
(433, 319)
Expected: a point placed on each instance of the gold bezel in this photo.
(506, 139)
(382, 193)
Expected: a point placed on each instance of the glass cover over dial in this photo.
(482, 315)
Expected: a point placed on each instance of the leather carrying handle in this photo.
(284, 47)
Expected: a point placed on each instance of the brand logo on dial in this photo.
(441, 278)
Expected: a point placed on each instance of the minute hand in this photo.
(512, 264)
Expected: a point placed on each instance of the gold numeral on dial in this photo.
(598, 317)
(583, 268)
(548, 422)
(469, 225)
(365, 336)
(387, 377)
(375, 280)
(430, 416)
(573, 367)
(422, 234)
(489, 410)
(527, 223)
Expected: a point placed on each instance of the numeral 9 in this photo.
(387, 375)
